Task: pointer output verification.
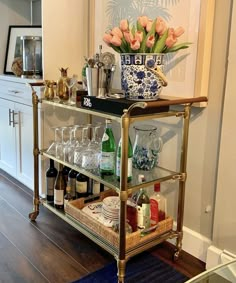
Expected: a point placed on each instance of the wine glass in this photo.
(70, 83)
(52, 148)
(59, 151)
(81, 146)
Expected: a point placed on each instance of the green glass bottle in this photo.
(108, 149)
(118, 160)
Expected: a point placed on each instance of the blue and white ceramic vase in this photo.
(138, 77)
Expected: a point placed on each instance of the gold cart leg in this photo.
(183, 165)
(121, 264)
(33, 215)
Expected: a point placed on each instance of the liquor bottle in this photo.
(118, 160)
(157, 205)
(59, 189)
(65, 172)
(96, 187)
(82, 182)
(72, 182)
(143, 207)
(51, 175)
(107, 161)
(134, 196)
(68, 196)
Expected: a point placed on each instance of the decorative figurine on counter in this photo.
(62, 89)
(49, 89)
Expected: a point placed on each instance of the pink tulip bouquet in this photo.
(147, 36)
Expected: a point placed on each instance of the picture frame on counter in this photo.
(14, 43)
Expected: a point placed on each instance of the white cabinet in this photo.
(24, 128)
(16, 129)
(7, 138)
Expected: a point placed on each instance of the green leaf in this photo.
(177, 47)
(160, 44)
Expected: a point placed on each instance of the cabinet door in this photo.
(7, 139)
(24, 143)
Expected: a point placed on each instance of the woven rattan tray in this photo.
(73, 209)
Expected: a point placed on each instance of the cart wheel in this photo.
(33, 215)
(176, 256)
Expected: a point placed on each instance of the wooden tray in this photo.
(73, 209)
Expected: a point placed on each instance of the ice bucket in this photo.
(32, 56)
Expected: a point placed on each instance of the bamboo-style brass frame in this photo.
(122, 254)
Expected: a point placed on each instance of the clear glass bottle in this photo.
(59, 189)
(82, 184)
(158, 205)
(51, 175)
(118, 160)
(108, 149)
(143, 208)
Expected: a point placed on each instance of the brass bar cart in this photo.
(121, 252)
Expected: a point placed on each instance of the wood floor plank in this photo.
(64, 235)
(49, 258)
(14, 267)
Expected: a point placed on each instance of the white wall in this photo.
(224, 233)
(65, 36)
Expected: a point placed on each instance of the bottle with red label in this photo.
(158, 205)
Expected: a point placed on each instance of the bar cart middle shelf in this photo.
(121, 248)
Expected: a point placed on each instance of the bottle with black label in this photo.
(59, 189)
(82, 185)
(72, 182)
(51, 175)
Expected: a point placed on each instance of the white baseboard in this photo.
(217, 256)
(195, 244)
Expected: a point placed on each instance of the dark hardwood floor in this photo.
(49, 249)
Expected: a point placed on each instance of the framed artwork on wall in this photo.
(14, 43)
(187, 70)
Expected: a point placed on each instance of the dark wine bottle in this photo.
(82, 184)
(72, 182)
(51, 175)
(59, 189)
(65, 173)
(68, 196)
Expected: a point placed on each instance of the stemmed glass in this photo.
(70, 83)
(81, 146)
(52, 148)
(59, 152)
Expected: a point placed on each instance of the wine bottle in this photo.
(51, 175)
(68, 196)
(72, 182)
(107, 161)
(65, 173)
(158, 205)
(118, 160)
(81, 185)
(59, 189)
(143, 207)
(96, 187)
